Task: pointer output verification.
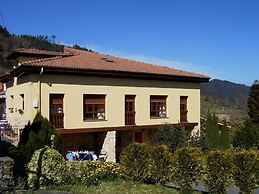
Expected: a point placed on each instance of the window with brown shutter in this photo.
(158, 106)
(183, 109)
(94, 107)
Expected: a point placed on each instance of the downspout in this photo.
(41, 72)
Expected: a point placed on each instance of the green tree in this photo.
(247, 136)
(224, 140)
(36, 135)
(253, 103)
(173, 137)
(212, 132)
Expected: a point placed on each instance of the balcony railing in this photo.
(130, 118)
(57, 120)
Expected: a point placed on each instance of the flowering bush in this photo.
(91, 172)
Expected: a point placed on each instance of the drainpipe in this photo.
(41, 71)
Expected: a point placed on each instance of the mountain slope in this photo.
(224, 98)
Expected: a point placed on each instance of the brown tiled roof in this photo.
(25, 51)
(84, 60)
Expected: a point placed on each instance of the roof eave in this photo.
(27, 68)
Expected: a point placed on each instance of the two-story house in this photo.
(100, 102)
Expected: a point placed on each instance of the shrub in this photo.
(188, 168)
(173, 137)
(36, 135)
(162, 164)
(218, 170)
(91, 172)
(247, 136)
(246, 170)
(136, 160)
(46, 167)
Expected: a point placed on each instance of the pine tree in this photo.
(224, 140)
(36, 135)
(253, 103)
(212, 132)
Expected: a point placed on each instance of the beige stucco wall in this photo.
(115, 89)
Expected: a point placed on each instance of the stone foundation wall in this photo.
(6, 173)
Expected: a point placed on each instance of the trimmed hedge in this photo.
(246, 170)
(161, 165)
(218, 171)
(136, 160)
(188, 167)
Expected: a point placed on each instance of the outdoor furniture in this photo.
(103, 156)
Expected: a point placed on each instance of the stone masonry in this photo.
(109, 146)
(6, 172)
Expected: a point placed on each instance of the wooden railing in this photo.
(57, 120)
(130, 118)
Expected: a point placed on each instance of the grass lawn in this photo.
(117, 187)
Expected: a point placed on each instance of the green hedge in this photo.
(162, 163)
(136, 160)
(246, 170)
(188, 167)
(151, 164)
(218, 171)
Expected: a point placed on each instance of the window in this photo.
(183, 108)
(22, 97)
(158, 106)
(94, 107)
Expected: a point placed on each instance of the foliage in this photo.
(218, 170)
(136, 160)
(224, 139)
(247, 136)
(173, 137)
(212, 132)
(162, 164)
(188, 167)
(253, 103)
(246, 170)
(46, 167)
(92, 172)
(9, 41)
(216, 138)
(36, 135)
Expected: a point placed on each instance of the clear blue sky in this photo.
(215, 37)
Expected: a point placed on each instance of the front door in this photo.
(56, 110)
(130, 110)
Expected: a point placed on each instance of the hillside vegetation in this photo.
(225, 98)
